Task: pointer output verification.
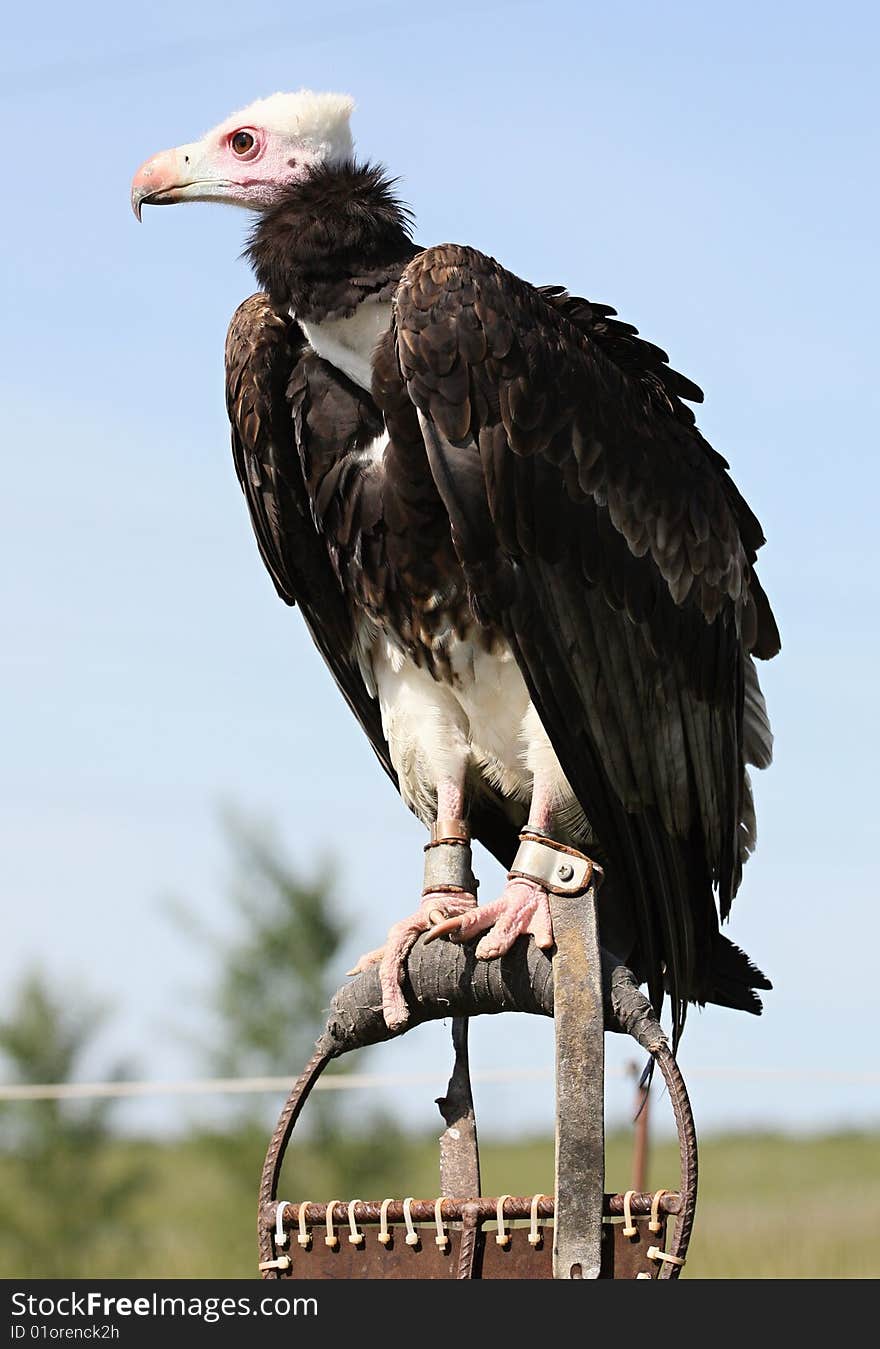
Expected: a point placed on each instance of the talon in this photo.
(523, 909)
(434, 918)
(371, 958)
(441, 929)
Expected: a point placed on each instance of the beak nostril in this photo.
(186, 159)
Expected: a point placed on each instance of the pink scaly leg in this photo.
(437, 907)
(522, 908)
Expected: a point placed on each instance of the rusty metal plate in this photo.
(371, 1260)
(627, 1257)
(622, 1257)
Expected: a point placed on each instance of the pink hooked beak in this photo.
(183, 174)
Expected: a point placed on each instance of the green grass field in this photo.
(770, 1206)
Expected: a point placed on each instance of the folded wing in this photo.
(600, 530)
(335, 540)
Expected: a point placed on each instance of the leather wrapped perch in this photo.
(445, 979)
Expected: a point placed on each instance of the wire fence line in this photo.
(239, 1086)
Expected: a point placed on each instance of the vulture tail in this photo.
(734, 978)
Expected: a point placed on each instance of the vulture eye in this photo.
(242, 142)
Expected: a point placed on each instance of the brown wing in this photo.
(334, 541)
(265, 351)
(603, 533)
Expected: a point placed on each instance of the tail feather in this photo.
(734, 978)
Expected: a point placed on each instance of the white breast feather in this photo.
(349, 343)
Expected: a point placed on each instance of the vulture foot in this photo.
(435, 911)
(523, 908)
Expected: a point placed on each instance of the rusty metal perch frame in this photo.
(445, 980)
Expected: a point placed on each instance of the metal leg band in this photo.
(559, 869)
(450, 831)
(448, 868)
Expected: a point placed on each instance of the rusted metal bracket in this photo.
(459, 1150)
(580, 1083)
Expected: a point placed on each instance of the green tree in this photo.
(275, 972)
(66, 1192)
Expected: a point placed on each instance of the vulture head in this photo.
(251, 157)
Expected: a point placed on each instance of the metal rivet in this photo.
(565, 871)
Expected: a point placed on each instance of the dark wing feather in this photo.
(321, 522)
(621, 343)
(265, 351)
(600, 530)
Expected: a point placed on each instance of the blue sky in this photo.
(710, 171)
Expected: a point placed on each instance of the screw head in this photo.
(565, 871)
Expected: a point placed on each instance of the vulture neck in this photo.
(332, 251)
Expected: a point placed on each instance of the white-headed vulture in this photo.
(531, 577)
